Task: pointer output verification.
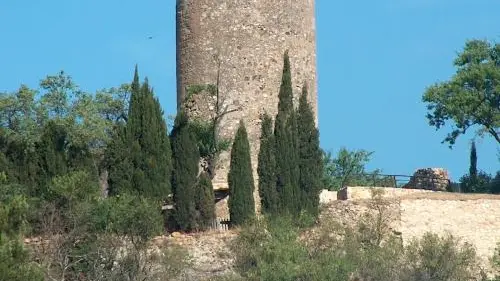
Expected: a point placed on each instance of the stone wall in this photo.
(476, 221)
(358, 192)
(249, 39)
(474, 218)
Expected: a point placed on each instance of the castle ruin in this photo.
(239, 45)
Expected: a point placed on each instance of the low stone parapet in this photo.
(361, 192)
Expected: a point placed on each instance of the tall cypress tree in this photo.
(311, 162)
(266, 168)
(118, 162)
(473, 161)
(145, 146)
(285, 133)
(186, 158)
(240, 180)
(205, 201)
(52, 158)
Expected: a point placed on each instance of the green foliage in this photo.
(310, 155)
(287, 153)
(205, 201)
(69, 189)
(15, 261)
(131, 216)
(87, 118)
(141, 149)
(471, 97)
(269, 251)
(52, 151)
(440, 258)
(477, 181)
(495, 184)
(276, 249)
(207, 144)
(118, 163)
(266, 168)
(478, 184)
(473, 161)
(240, 180)
(186, 164)
(348, 168)
(209, 89)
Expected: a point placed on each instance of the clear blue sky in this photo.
(375, 59)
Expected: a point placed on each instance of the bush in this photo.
(15, 264)
(440, 258)
(276, 249)
(110, 239)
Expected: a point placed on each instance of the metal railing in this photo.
(400, 181)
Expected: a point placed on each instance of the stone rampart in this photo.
(474, 218)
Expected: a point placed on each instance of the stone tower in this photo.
(242, 42)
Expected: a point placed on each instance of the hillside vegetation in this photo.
(89, 181)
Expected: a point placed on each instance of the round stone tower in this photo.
(240, 44)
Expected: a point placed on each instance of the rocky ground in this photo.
(209, 253)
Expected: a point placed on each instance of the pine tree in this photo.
(267, 167)
(185, 157)
(240, 180)
(286, 137)
(205, 201)
(311, 161)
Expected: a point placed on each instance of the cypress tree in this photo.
(266, 168)
(205, 201)
(118, 162)
(135, 108)
(52, 158)
(240, 180)
(285, 133)
(185, 157)
(473, 161)
(142, 148)
(311, 162)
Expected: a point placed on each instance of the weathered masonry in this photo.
(242, 42)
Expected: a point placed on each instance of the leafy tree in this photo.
(240, 180)
(310, 155)
(285, 132)
(472, 96)
(205, 201)
(478, 184)
(266, 168)
(88, 121)
(185, 162)
(349, 168)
